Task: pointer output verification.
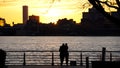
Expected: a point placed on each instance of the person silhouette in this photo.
(64, 53)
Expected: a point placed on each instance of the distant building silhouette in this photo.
(96, 24)
(94, 19)
(35, 18)
(25, 14)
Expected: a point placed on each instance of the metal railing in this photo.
(52, 57)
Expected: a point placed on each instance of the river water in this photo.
(53, 42)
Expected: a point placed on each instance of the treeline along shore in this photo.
(63, 27)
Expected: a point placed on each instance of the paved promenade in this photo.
(45, 66)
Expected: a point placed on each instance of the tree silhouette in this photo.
(100, 5)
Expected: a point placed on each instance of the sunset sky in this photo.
(48, 10)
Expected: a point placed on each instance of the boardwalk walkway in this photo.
(17, 66)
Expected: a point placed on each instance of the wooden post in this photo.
(52, 59)
(110, 56)
(81, 62)
(87, 62)
(103, 53)
(24, 62)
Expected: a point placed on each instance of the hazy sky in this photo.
(48, 10)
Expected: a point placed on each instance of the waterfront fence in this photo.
(52, 57)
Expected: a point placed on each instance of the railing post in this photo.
(110, 56)
(87, 62)
(24, 59)
(52, 59)
(103, 53)
(81, 62)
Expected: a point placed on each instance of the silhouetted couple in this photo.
(64, 53)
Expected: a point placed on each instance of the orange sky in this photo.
(48, 10)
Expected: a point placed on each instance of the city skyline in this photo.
(93, 23)
(48, 11)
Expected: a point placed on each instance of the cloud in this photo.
(8, 0)
(6, 3)
(41, 2)
(44, 6)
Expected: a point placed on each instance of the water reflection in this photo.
(53, 42)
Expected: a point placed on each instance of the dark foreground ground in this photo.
(46, 66)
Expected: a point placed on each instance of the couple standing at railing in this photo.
(64, 53)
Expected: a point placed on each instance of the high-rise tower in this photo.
(25, 14)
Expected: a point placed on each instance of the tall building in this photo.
(25, 14)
